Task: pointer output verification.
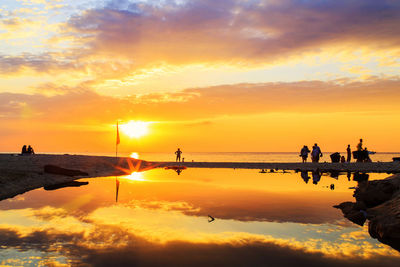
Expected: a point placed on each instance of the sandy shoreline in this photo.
(19, 174)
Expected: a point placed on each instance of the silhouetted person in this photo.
(178, 155)
(332, 187)
(24, 151)
(304, 153)
(359, 146)
(178, 171)
(30, 150)
(366, 155)
(348, 153)
(316, 153)
(342, 159)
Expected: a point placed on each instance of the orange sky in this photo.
(210, 76)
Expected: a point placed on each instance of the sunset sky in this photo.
(204, 75)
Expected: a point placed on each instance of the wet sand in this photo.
(19, 174)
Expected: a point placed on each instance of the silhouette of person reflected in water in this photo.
(304, 176)
(178, 154)
(348, 176)
(316, 176)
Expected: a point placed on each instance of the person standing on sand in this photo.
(359, 146)
(178, 155)
(304, 153)
(316, 153)
(348, 153)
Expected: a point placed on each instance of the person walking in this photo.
(316, 153)
(348, 153)
(304, 153)
(178, 155)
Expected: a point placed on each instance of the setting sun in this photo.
(135, 129)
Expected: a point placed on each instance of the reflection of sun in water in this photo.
(135, 176)
(135, 128)
(134, 155)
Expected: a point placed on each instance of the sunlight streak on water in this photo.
(134, 176)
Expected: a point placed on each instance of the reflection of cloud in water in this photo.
(31, 257)
(112, 246)
(108, 227)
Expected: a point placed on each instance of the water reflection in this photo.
(305, 176)
(163, 218)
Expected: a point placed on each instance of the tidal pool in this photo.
(158, 218)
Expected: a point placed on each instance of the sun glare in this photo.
(134, 155)
(135, 129)
(135, 176)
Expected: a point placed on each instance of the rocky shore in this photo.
(378, 202)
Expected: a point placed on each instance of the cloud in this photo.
(46, 62)
(235, 31)
(76, 119)
(122, 38)
(310, 97)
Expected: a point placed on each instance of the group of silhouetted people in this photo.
(361, 154)
(315, 153)
(27, 150)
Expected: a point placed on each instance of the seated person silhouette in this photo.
(24, 150)
(30, 150)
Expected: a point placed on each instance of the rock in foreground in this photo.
(379, 202)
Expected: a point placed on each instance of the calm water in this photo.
(240, 156)
(161, 218)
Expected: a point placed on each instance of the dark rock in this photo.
(352, 212)
(62, 171)
(384, 223)
(375, 192)
(379, 202)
